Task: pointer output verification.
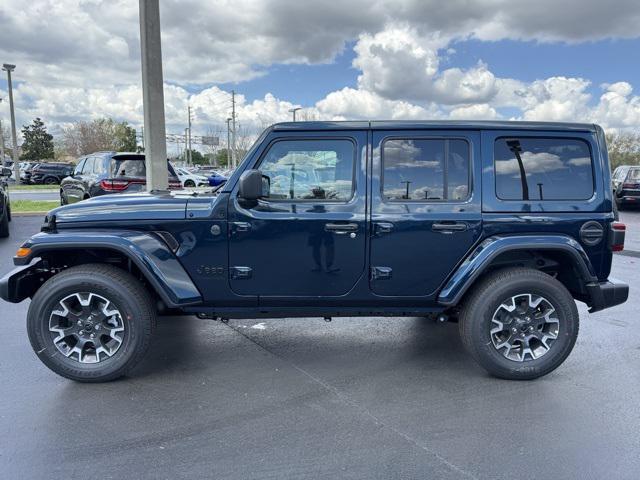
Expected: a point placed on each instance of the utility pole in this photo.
(142, 138)
(153, 96)
(294, 110)
(233, 132)
(189, 148)
(228, 143)
(16, 168)
(186, 143)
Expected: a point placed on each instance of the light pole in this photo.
(4, 160)
(229, 142)
(294, 110)
(10, 68)
(153, 96)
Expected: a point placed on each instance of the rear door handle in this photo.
(449, 227)
(382, 227)
(341, 228)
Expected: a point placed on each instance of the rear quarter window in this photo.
(543, 169)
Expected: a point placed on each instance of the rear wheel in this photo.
(91, 323)
(50, 181)
(519, 323)
(189, 183)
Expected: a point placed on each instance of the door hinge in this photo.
(240, 273)
(381, 273)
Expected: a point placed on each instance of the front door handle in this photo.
(341, 228)
(240, 226)
(449, 227)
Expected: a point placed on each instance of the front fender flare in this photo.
(146, 250)
(480, 258)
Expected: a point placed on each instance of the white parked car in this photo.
(189, 179)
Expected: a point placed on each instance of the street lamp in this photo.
(7, 67)
(294, 110)
(4, 159)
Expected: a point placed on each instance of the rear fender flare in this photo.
(481, 257)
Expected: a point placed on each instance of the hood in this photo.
(133, 206)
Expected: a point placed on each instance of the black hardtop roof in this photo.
(435, 124)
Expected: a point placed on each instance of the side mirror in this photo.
(6, 172)
(253, 185)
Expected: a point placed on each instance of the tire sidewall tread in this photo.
(118, 286)
(478, 309)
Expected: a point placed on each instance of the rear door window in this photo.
(425, 169)
(543, 169)
(88, 166)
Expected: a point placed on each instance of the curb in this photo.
(35, 190)
(629, 253)
(28, 214)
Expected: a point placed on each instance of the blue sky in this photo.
(604, 61)
(362, 59)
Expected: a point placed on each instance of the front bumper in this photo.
(16, 285)
(607, 294)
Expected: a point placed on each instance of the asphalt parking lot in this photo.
(301, 398)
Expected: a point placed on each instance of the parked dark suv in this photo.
(102, 173)
(5, 204)
(49, 173)
(499, 226)
(626, 185)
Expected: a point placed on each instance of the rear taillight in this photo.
(629, 185)
(114, 185)
(618, 231)
(175, 186)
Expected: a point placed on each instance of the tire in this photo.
(63, 201)
(50, 181)
(126, 295)
(189, 183)
(488, 301)
(4, 223)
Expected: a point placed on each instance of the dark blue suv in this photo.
(104, 173)
(499, 226)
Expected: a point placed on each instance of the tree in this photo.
(222, 157)
(196, 157)
(86, 137)
(38, 143)
(624, 149)
(125, 137)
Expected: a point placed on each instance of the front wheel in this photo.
(189, 183)
(91, 323)
(519, 323)
(50, 181)
(4, 223)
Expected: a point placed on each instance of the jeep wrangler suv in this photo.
(499, 226)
